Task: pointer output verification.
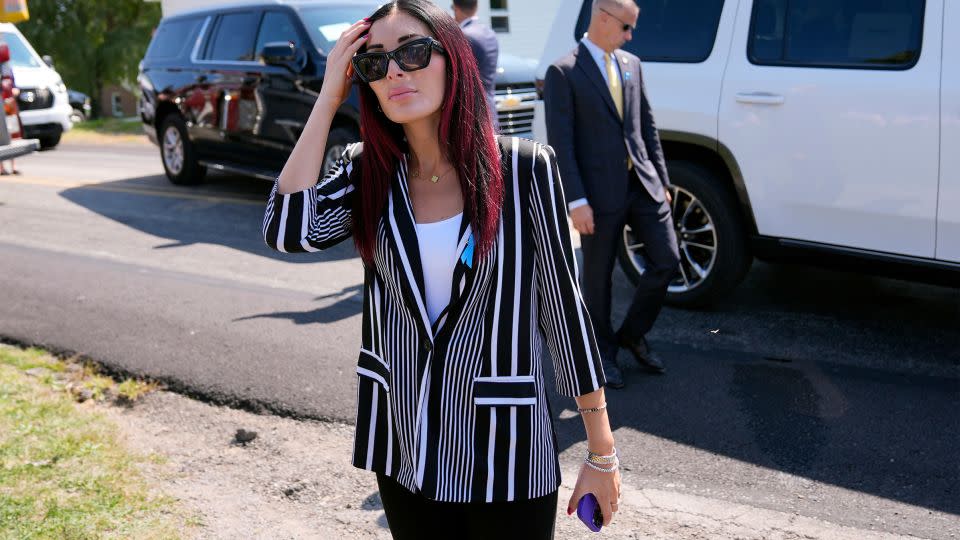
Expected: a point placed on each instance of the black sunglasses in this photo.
(410, 56)
(626, 26)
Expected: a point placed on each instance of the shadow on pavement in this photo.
(224, 210)
(891, 435)
(347, 304)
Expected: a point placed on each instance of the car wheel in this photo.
(713, 245)
(336, 144)
(77, 116)
(178, 154)
(46, 143)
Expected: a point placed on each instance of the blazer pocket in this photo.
(370, 365)
(510, 391)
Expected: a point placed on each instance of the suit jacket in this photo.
(591, 141)
(458, 409)
(486, 49)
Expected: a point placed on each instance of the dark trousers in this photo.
(652, 224)
(413, 516)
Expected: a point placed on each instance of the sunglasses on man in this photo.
(626, 26)
(411, 56)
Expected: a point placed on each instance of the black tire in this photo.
(185, 171)
(732, 256)
(337, 142)
(51, 141)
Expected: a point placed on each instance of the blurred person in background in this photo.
(9, 91)
(485, 46)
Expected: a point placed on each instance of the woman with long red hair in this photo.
(469, 280)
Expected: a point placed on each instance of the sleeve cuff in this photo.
(577, 203)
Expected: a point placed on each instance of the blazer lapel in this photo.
(631, 92)
(592, 72)
(401, 228)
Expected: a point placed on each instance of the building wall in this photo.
(125, 101)
(528, 21)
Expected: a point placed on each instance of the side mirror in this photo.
(4, 53)
(48, 60)
(281, 53)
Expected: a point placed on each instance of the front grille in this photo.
(31, 99)
(515, 104)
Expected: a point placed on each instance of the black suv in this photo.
(231, 88)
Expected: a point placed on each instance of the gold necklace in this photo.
(434, 178)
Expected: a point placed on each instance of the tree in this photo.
(94, 43)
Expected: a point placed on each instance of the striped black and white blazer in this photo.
(457, 410)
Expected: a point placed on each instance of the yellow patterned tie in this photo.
(613, 81)
(616, 91)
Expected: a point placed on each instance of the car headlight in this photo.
(60, 88)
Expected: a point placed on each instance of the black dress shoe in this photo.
(643, 355)
(613, 374)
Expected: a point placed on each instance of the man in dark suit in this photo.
(486, 47)
(601, 126)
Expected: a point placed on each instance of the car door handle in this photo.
(760, 98)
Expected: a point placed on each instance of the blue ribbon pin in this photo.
(467, 256)
(627, 75)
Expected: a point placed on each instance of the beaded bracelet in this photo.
(602, 460)
(592, 409)
(616, 466)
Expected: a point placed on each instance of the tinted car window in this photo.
(668, 30)
(276, 26)
(20, 55)
(173, 37)
(234, 38)
(879, 34)
(325, 24)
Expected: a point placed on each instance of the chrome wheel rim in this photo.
(173, 150)
(697, 239)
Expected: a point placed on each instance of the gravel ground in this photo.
(294, 481)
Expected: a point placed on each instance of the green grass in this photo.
(111, 126)
(63, 472)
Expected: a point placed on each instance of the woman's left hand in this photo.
(605, 486)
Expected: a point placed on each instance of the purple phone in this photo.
(588, 510)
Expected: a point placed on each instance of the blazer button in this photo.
(427, 346)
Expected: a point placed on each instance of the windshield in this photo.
(325, 24)
(20, 55)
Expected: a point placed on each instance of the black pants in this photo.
(652, 223)
(412, 516)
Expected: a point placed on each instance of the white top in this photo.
(438, 255)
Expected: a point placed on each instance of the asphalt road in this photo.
(828, 394)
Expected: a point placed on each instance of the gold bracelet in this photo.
(592, 409)
(602, 460)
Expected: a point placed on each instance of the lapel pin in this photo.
(467, 256)
(627, 75)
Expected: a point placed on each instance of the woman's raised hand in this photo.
(338, 74)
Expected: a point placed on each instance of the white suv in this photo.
(44, 104)
(817, 130)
